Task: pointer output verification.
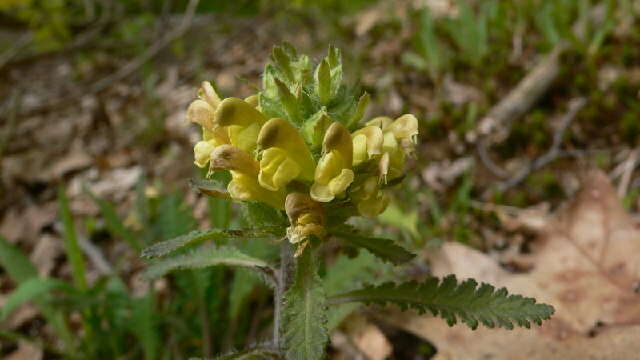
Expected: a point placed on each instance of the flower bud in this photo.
(243, 121)
(369, 198)
(307, 217)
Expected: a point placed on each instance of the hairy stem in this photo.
(283, 281)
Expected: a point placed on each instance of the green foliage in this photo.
(342, 275)
(295, 91)
(305, 312)
(197, 237)
(452, 300)
(385, 249)
(14, 262)
(31, 289)
(207, 257)
(71, 242)
(250, 354)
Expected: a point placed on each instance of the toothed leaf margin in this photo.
(451, 300)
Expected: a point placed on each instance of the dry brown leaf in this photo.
(586, 266)
(368, 338)
(26, 351)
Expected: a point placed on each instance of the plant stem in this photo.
(283, 281)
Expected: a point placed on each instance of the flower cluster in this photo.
(298, 145)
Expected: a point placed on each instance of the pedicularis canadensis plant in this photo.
(303, 162)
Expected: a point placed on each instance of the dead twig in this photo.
(625, 171)
(343, 342)
(575, 105)
(496, 124)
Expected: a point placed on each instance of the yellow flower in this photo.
(202, 111)
(333, 174)
(202, 152)
(244, 171)
(367, 143)
(285, 155)
(242, 120)
(398, 139)
(369, 198)
(307, 217)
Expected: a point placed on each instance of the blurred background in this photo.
(515, 100)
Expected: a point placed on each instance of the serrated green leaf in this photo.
(359, 111)
(323, 82)
(31, 289)
(385, 249)
(342, 275)
(207, 257)
(199, 236)
(452, 301)
(15, 263)
(305, 312)
(289, 101)
(335, 63)
(251, 354)
(283, 62)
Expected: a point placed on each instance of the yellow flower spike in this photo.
(242, 120)
(307, 217)
(333, 174)
(285, 155)
(202, 152)
(367, 143)
(209, 94)
(369, 198)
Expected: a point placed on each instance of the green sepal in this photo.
(323, 82)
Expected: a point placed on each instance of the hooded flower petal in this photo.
(333, 174)
(242, 120)
(285, 155)
(228, 157)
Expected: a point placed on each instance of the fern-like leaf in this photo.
(451, 300)
(207, 257)
(199, 236)
(305, 313)
(386, 249)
